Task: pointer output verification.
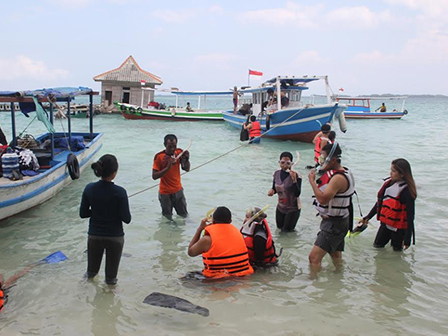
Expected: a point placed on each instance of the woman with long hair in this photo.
(107, 206)
(395, 208)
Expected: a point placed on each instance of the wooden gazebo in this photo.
(128, 83)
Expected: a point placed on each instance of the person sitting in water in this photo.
(320, 140)
(258, 238)
(222, 246)
(107, 206)
(254, 129)
(188, 108)
(382, 108)
(6, 285)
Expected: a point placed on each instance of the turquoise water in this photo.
(375, 292)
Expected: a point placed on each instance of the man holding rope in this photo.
(166, 166)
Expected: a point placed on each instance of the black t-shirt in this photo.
(107, 206)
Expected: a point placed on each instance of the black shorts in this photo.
(332, 234)
(384, 235)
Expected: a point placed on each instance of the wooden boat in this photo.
(360, 108)
(175, 113)
(296, 121)
(58, 166)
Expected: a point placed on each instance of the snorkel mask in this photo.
(324, 162)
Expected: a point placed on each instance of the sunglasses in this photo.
(288, 163)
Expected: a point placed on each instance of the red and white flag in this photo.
(341, 89)
(143, 82)
(255, 73)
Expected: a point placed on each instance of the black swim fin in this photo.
(169, 301)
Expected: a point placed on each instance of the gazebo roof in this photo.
(129, 71)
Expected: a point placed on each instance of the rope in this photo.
(222, 155)
(27, 126)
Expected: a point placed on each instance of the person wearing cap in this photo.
(224, 252)
(333, 192)
(320, 140)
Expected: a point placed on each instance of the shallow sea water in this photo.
(376, 292)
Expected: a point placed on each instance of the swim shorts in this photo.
(332, 234)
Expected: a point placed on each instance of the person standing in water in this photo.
(254, 129)
(166, 167)
(333, 192)
(395, 208)
(287, 185)
(107, 206)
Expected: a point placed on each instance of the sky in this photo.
(365, 47)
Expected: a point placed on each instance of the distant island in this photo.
(407, 95)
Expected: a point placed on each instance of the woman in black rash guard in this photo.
(287, 185)
(395, 208)
(107, 206)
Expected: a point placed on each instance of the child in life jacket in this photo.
(258, 238)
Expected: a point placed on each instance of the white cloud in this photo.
(216, 9)
(216, 60)
(23, 67)
(70, 3)
(358, 16)
(303, 16)
(309, 57)
(181, 16)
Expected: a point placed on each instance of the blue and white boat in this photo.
(294, 120)
(360, 108)
(60, 162)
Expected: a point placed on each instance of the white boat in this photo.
(360, 108)
(59, 166)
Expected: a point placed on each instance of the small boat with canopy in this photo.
(156, 111)
(35, 169)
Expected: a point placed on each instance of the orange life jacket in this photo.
(317, 148)
(227, 255)
(270, 256)
(390, 209)
(255, 131)
(2, 300)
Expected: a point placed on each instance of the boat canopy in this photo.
(201, 93)
(372, 98)
(60, 93)
(293, 80)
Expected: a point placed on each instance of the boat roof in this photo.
(60, 93)
(201, 93)
(372, 98)
(294, 80)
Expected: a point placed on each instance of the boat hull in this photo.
(135, 112)
(373, 115)
(296, 124)
(18, 196)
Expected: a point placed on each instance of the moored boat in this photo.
(61, 160)
(280, 111)
(174, 113)
(360, 108)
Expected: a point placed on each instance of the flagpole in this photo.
(248, 78)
